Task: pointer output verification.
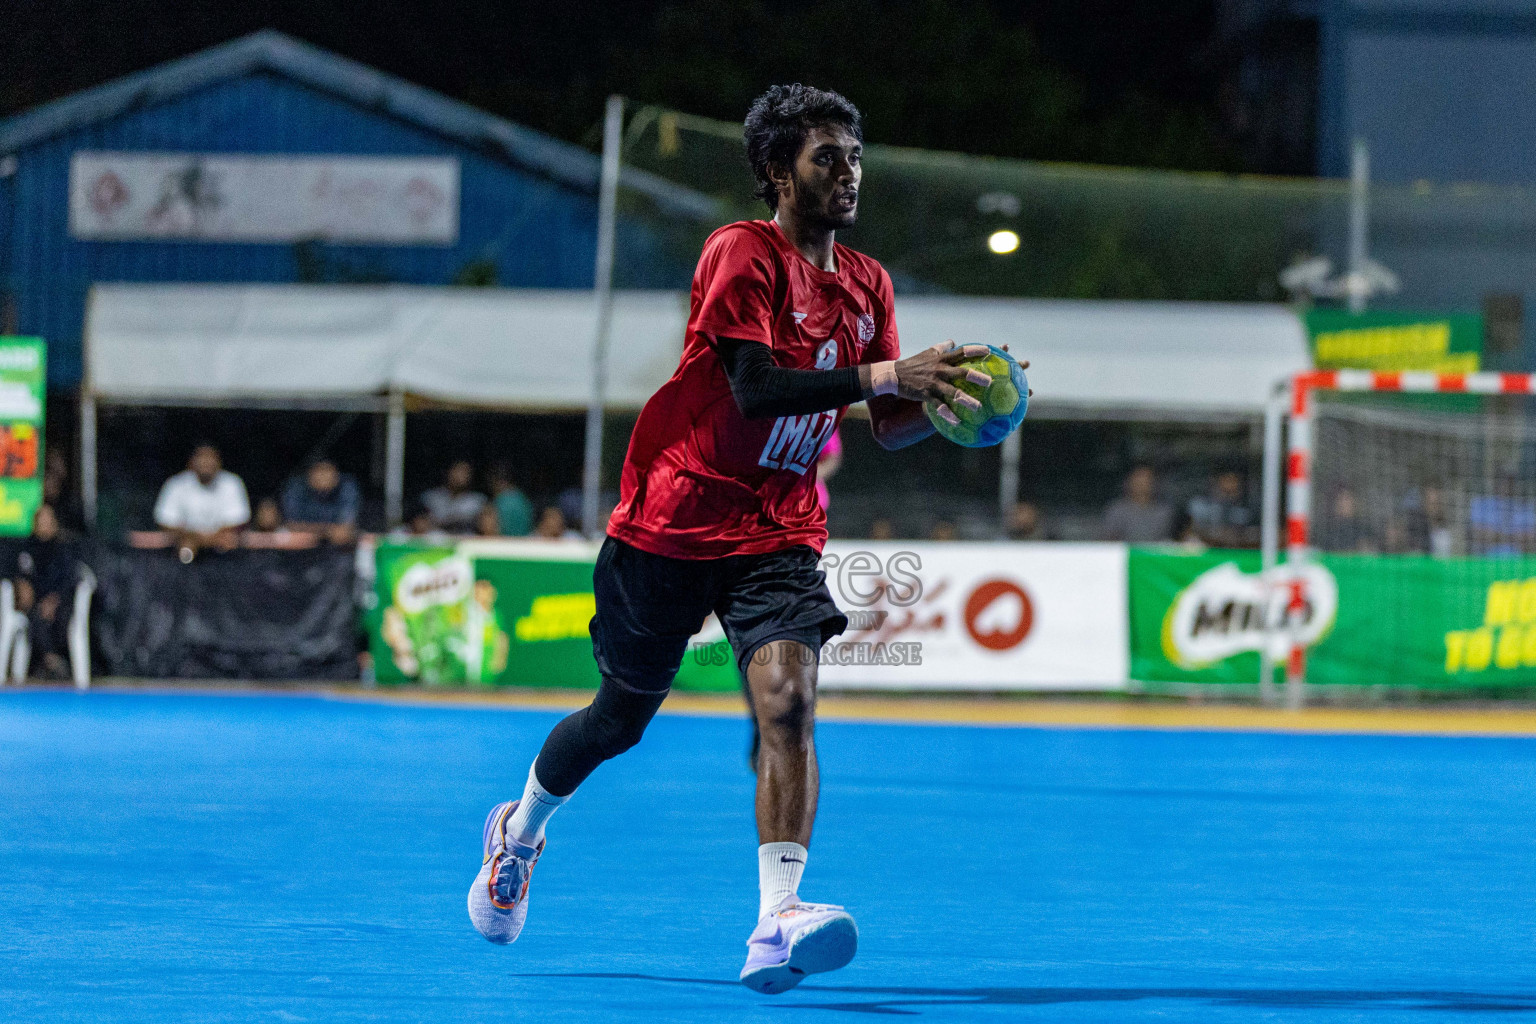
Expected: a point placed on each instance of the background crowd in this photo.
(208, 506)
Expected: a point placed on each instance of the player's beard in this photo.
(814, 208)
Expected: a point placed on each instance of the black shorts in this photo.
(649, 606)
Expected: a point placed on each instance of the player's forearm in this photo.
(898, 422)
(763, 390)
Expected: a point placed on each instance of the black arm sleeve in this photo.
(762, 389)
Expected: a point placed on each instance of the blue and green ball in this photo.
(1003, 402)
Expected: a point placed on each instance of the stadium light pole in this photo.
(1359, 224)
(1363, 277)
(602, 289)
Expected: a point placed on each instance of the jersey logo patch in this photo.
(826, 356)
(866, 328)
(796, 441)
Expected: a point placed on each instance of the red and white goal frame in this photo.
(1299, 393)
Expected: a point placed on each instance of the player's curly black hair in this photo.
(778, 123)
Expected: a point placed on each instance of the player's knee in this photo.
(612, 735)
(784, 695)
(617, 718)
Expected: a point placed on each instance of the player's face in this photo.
(825, 186)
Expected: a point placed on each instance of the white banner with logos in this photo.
(216, 197)
(978, 616)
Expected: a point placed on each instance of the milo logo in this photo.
(1225, 611)
(424, 585)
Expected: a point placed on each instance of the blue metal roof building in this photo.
(527, 203)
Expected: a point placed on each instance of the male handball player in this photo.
(718, 512)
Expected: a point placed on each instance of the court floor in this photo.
(300, 858)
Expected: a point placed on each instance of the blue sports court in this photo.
(305, 858)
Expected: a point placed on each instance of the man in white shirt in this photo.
(204, 505)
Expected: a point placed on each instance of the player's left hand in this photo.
(931, 373)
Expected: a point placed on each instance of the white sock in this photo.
(527, 822)
(779, 867)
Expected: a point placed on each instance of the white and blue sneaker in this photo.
(799, 939)
(498, 901)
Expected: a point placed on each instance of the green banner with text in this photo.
(512, 613)
(1366, 620)
(23, 372)
(1394, 341)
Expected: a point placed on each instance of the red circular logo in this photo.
(987, 616)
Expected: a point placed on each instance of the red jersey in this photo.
(701, 480)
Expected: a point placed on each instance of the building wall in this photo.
(537, 233)
(1444, 90)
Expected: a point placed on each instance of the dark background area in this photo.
(1130, 83)
(1134, 83)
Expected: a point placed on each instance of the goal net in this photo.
(1446, 475)
(1416, 493)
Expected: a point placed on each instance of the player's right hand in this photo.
(932, 372)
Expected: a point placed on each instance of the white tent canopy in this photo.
(508, 349)
(1159, 360)
(529, 349)
(344, 346)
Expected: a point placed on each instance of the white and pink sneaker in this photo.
(798, 940)
(498, 901)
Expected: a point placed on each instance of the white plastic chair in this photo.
(16, 640)
(15, 643)
(80, 630)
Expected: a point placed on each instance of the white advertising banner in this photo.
(1008, 616)
(213, 197)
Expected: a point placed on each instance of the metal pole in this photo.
(1359, 222)
(1269, 531)
(88, 457)
(602, 293)
(394, 460)
(1008, 478)
(1298, 531)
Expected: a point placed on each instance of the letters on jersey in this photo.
(796, 441)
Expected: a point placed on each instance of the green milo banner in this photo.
(1196, 618)
(1396, 620)
(23, 373)
(500, 613)
(1395, 341)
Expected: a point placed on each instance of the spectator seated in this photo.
(204, 505)
(1139, 517)
(45, 606)
(322, 502)
(514, 512)
(1224, 518)
(454, 508)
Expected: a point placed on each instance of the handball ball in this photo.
(1002, 402)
